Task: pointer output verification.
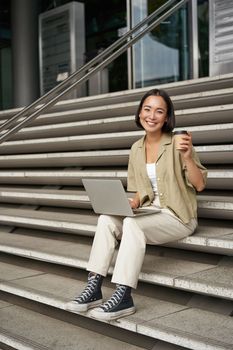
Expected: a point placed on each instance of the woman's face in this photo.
(153, 114)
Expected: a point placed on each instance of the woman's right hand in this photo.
(134, 202)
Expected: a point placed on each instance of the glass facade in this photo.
(103, 27)
(105, 21)
(5, 78)
(5, 56)
(162, 56)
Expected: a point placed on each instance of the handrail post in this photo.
(194, 39)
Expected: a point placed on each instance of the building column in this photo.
(24, 24)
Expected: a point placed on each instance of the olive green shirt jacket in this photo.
(174, 189)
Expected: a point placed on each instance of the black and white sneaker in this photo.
(120, 304)
(90, 297)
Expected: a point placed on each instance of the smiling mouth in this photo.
(150, 123)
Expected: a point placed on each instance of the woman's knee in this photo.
(130, 227)
(110, 224)
(128, 221)
(131, 223)
(103, 219)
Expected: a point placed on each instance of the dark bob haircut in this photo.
(171, 119)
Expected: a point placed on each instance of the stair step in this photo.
(67, 143)
(177, 88)
(220, 179)
(116, 124)
(211, 236)
(192, 100)
(189, 271)
(76, 223)
(216, 207)
(209, 206)
(202, 134)
(172, 322)
(203, 98)
(62, 177)
(46, 197)
(215, 154)
(207, 134)
(61, 159)
(184, 118)
(106, 141)
(24, 329)
(204, 115)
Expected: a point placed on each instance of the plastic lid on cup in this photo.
(180, 132)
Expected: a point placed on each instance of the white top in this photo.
(151, 172)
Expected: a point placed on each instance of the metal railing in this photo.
(92, 67)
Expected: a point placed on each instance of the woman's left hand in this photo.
(194, 173)
(186, 145)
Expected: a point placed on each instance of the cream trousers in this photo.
(134, 233)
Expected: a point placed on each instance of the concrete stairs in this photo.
(185, 294)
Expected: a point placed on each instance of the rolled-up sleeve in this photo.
(199, 165)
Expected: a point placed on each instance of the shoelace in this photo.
(89, 289)
(115, 298)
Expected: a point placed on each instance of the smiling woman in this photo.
(162, 177)
(153, 117)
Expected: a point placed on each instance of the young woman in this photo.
(161, 176)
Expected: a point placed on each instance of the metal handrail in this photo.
(97, 67)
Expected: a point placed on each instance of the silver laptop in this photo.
(109, 197)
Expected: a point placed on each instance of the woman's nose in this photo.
(153, 114)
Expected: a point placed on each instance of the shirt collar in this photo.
(165, 140)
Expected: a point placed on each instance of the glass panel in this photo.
(203, 37)
(5, 78)
(105, 23)
(161, 56)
